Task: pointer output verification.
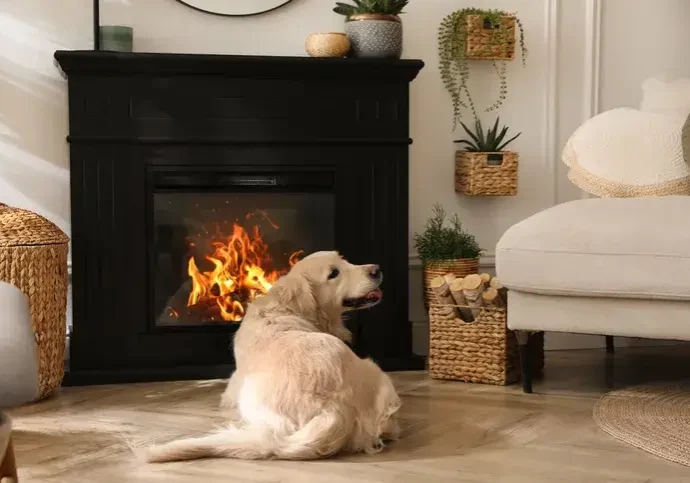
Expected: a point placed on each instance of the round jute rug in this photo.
(653, 418)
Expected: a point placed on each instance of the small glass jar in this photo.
(116, 32)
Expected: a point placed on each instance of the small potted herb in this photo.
(483, 168)
(445, 248)
(374, 27)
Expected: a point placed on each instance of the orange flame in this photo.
(239, 274)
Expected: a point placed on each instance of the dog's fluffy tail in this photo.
(324, 435)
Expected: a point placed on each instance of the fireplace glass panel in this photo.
(215, 252)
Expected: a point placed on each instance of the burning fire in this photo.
(239, 274)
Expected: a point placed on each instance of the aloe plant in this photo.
(382, 7)
(491, 141)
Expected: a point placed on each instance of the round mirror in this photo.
(235, 8)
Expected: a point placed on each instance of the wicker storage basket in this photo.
(461, 268)
(484, 351)
(486, 174)
(485, 42)
(33, 257)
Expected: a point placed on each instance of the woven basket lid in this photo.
(24, 228)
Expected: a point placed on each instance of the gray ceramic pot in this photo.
(375, 36)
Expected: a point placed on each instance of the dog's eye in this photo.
(334, 273)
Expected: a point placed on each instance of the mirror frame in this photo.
(183, 2)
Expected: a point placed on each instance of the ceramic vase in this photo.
(375, 36)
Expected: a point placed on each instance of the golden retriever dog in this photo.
(299, 391)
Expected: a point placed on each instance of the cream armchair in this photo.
(617, 265)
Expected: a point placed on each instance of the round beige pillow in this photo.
(625, 152)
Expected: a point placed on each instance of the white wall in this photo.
(640, 42)
(561, 86)
(33, 105)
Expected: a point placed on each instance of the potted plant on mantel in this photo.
(373, 27)
(445, 249)
(483, 168)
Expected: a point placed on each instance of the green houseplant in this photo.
(374, 27)
(483, 167)
(476, 34)
(492, 141)
(444, 247)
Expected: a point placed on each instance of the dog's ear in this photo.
(296, 292)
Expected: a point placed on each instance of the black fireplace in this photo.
(198, 180)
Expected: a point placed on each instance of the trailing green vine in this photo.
(455, 70)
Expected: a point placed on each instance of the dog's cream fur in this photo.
(300, 392)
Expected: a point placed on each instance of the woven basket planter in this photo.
(486, 42)
(484, 351)
(33, 258)
(461, 268)
(486, 174)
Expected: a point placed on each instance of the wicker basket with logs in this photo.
(469, 338)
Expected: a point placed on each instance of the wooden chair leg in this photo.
(609, 344)
(8, 466)
(523, 338)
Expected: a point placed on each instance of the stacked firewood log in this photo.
(469, 294)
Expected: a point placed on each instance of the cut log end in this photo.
(486, 279)
(492, 298)
(472, 282)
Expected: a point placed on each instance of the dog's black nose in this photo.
(375, 272)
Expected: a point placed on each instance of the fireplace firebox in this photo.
(198, 180)
(217, 247)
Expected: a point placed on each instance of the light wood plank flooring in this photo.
(453, 432)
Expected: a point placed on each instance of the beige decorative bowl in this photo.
(332, 44)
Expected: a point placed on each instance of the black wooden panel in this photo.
(220, 109)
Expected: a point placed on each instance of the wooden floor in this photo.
(453, 432)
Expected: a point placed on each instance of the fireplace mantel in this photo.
(88, 62)
(206, 99)
(141, 122)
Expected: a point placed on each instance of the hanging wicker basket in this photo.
(486, 174)
(33, 258)
(486, 41)
(461, 268)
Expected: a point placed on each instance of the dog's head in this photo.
(326, 282)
